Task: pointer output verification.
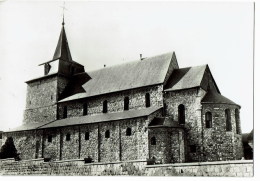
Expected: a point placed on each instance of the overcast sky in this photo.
(218, 34)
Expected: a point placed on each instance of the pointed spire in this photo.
(62, 50)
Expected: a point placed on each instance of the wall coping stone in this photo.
(37, 159)
(116, 162)
(202, 163)
(7, 159)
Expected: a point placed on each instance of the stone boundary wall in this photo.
(238, 168)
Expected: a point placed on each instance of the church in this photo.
(145, 109)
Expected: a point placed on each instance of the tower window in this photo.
(87, 136)
(237, 121)
(128, 132)
(85, 109)
(147, 100)
(208, 120)
(228, 120)
(181, 114)
(68, 137)
(65, 112)
(50, 138)
(105, 106)
(107, 134)
(153, 141)
(47, 68)
(193, 148)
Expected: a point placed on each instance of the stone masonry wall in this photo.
(42, 96)
(52, 142)
(40, 101)
(115, 101)
(169, 146)
(220, 144)
(191, 99)
(25, 143)
(241, 168)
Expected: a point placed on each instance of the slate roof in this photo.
(215, 97)
(186, 78)
(135, 74)
(163, 122)
(102, 117)
(28, 126)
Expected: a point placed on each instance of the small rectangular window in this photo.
(85, 109)
(193, 149)
(65, 112)
(50, 138)
(68, 137)
(87, 136)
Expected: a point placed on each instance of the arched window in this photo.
(68, 137)
(153, 141)
(87, 136)
(107, 134)
(128, 132)
(126, 103)
(147, 100)
(85, 109)
(228, 120)
(65, 112)
(208, 118)
(105, 106)
(237, 121)
(50, 138)
(181, 114)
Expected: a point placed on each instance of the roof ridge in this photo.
(131, 62)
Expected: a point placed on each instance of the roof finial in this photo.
(63, 7)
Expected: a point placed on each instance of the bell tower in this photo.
(60, 75)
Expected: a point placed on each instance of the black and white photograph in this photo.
(127, 88)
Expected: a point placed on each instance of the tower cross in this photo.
(63, 9)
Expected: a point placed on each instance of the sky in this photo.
(219, 34)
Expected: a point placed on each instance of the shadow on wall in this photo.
(8, 150)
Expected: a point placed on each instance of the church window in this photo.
(181, 114)
(193, 148)
(51, 97)
(153, 141)
(1, 135)
(105, 106)
(147, 100)
(68, 137)
(126, 103)
(87, 136)
(50, 138)
(65, 112)
(164, 113)
(107, 134)
(128, 132)
(228, 120)
(237, 121)
(208, 120)
(85, 109)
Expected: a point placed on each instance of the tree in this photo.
(8, 150)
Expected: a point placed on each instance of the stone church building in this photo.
(149, 108)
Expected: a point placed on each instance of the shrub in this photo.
(8, 150)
